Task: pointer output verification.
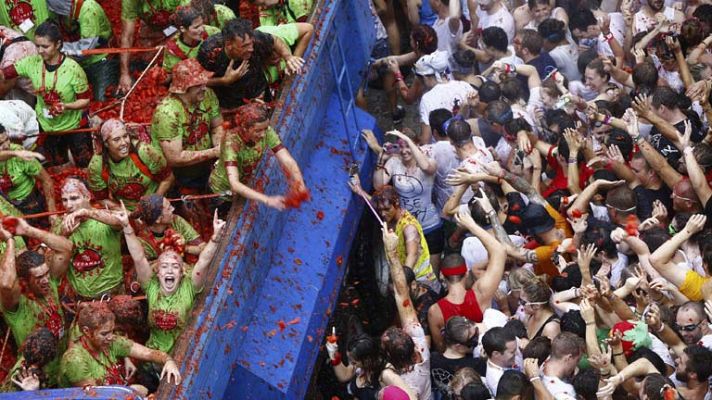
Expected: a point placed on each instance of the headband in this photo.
(455, 270)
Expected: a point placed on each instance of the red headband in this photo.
(454, 270)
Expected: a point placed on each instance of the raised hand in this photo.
(696, 223)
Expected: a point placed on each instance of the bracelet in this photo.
(499, 180)
(214, 241)
(591, 323)
(617, 354)
(608, 37)
(509, 68)
(130, 232)
(398, 76)
(534, 378)
(607, 120)
(573, 160)
(662, 328)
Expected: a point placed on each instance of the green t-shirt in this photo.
(125, 180)
(93, 22)
(71, 81)
(15, 18)
(17, 176)
(96, 260)
(287, 32)
(224, 14)
(31, 314)
(168, 315)
(235, 152)
(156, 12)
(176, 50)
(179, 225)
(78, 364)
(291, 11)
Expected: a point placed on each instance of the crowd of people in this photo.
(108, 227)
(547, 224)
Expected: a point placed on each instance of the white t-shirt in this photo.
(447, 41)
(566, 56)
(473, 164)
(671, 77)
(445, 157)
(475, 253)
(415, 189)
(558, 388)
(419, 378)
(502, 18)
(494, 374)
(618, 29)
(443, 95)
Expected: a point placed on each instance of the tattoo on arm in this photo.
(531, 257)
(521, 185)
(499, 231)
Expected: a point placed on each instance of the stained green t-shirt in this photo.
(179, 225)
(95, 267)
(176, 50)
(78, 364)
(291, 11)
(224, 14)
(71, 81)
(14, 19)
(32, 314)
(235, 152)
(125, 181)
(168, 315)
(289, 34)
(172, 120)
(157, 12)
(17, 176)
(93, 22)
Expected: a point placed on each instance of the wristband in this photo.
(534, 378)
(573, 160)
(607, 120)
(608, 37)
(130, 232)
(662, 328)
(398, 75)
(617, 354)
(214, 241)
(508, 68)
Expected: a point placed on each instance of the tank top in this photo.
(469, 308)
(369, 392)
(422, 268)
(551, 318)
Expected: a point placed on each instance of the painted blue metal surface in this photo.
(94, 393)
(259, 330)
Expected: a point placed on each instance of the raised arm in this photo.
(426, 164)
(206, 256)
(487, 284)
(697, 176)
(61, 246)
(660, 259)
(518, 183)
(406, 312)
(9, 284)
(144, 273)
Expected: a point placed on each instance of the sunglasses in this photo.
(687, 328)
(524, 303)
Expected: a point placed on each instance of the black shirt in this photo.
(442, 369)
(666, 148)
(646, 197)
(212, 57)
